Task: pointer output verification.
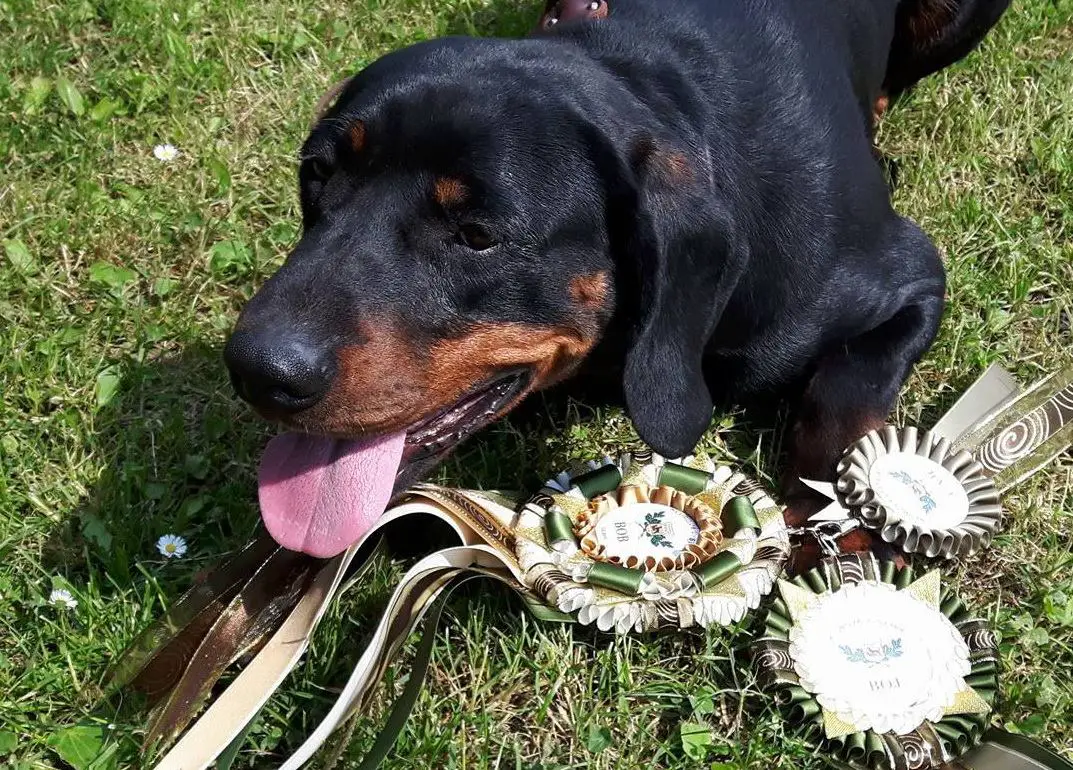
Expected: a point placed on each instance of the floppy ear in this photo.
(327, 99)
(688, 259)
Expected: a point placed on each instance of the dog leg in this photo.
(853, 388)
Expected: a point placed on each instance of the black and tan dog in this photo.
(678, 195)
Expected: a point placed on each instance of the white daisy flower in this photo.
(61, 596)
(165, 153)
(171, 546)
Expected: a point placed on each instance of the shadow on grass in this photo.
(179, 453)
(500, 18)
(182, 453)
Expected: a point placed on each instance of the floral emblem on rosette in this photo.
(641, 543)
(654, 528)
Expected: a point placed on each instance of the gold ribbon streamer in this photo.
(236, 706)
(153, 662)
(1026, 433)
(479, 524)
(278, 583)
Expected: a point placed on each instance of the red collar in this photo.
(558, 11)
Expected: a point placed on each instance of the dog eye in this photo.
(476, 237)
(319, 170)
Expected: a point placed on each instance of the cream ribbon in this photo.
(229, 713)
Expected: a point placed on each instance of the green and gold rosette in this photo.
(884, 667)
(644, 543)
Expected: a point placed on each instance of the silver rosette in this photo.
(918, 493)
(644, 543)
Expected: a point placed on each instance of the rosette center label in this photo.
(918, 491)
(879, 659)
(646, 530)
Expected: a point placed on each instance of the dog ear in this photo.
(325, 102)
(687, 259)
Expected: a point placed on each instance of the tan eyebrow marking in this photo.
(356, 133)
(449, 191)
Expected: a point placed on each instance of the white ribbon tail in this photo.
(833, 512)
(464, 556)
(825, 488)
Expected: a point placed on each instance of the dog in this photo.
(678, 200)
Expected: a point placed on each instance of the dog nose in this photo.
(277, 372)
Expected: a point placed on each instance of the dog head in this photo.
(470, 226)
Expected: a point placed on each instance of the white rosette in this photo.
(878, 658)
(671, 586)
(886, 668)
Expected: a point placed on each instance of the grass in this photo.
(120, 276)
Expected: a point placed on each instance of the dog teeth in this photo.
(452, 426)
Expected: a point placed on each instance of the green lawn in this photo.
(121, 274)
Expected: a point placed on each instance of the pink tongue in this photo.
(319, 495)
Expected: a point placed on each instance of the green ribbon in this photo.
(739, 514)
(541, 611)
(777, 624)
(1001, 750)
(865, 748)
(558, 528)
(598, 482)
(716, 570)
(799, 703)
(689, 480)
(615, 578)
(813, 580)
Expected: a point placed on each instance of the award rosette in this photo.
(644, 544)
(917, 493)
(883, 666)
(937, 492)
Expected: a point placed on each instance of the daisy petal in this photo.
(171, 546)
(62, 597)
(165, 153)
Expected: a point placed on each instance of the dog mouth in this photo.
(437, 434)
(321, 494)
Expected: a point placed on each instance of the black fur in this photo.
(713, 157)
